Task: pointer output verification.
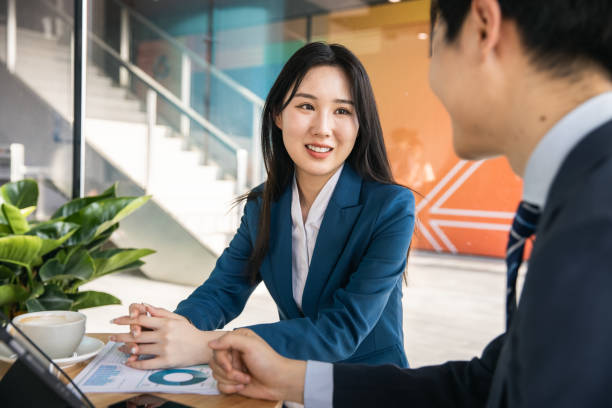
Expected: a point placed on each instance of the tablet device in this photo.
(147, 401)
(34, 379)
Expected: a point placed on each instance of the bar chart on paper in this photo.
(104, 375)
(108, 373)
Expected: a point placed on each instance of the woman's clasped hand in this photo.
(168, 339)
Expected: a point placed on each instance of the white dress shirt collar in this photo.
(304, 234)
(548, 156)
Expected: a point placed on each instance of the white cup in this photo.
(56, 332)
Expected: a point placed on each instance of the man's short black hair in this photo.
(560, 35)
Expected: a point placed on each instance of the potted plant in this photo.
(43, 264)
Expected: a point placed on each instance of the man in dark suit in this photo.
(530, 80)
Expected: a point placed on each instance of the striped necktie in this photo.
(523, 226)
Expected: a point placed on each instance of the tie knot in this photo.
(526, 219)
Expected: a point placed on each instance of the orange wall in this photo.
(468, 206)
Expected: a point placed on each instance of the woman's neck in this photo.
(309, 187)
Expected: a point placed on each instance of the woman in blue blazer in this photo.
(339, 295)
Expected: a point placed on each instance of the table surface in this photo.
(194, 400)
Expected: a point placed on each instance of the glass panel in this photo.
(3, 19)
(36, 99)
(143, 133)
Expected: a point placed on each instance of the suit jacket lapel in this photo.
(278, 259)
(594, 148)
(340, 215)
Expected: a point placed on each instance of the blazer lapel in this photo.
(278, 259)
(340, 215)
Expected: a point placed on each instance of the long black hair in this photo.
(368, 157)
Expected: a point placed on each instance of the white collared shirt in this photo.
(304, 234)
(550, 153)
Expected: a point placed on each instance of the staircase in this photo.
(194, 194)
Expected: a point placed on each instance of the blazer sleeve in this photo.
(338, 329)
(223, 296)
(455, 384)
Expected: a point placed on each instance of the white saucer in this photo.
(88, 348)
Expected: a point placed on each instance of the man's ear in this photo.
(486, 18)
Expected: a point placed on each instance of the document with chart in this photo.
(108, 373)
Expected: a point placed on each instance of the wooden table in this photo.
(195, 400)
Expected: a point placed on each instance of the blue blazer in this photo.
(352, 302)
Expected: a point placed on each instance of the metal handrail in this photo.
(151, 83)
(156, 86)
(247, 93)
(167, 95)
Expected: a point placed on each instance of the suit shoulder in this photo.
(385, 195)
(595, 194)
(385, 192)
(253, 201)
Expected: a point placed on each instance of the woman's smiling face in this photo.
(319, 125)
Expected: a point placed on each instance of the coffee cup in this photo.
(56, 332)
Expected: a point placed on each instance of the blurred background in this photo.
(174, 93)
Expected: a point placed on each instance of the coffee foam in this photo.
(48, 320)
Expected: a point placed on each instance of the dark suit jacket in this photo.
(558, 350)
(352, 301)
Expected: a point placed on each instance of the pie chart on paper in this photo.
(178, 377)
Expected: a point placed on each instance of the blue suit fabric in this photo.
(352, 301)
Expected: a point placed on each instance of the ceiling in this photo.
(277, 9)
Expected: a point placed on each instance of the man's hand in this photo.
(243, 363)
(170, 337)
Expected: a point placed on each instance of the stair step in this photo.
(116, 115)
(196, 205)
(115, 127)
(191, 187)
(59, 77)
(114, 92)
(30, 50)
(97, 102)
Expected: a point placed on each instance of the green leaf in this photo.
(28, 210)
(12, 294)
(52, 229)
(78, 265)
(14, 269)
(129, 205)
(99, 216)
(34, 305)
(84, 300)
(110, 192)
(53, 299)
(38, 260)
(20, 249)
(102, 238)
(77, 204)
(53, 234)
(51, 244)
(6, 273)
(21, 194)
(51, 269)
(133, 265)
(18, 223)
(113, 259)
(37, 290)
